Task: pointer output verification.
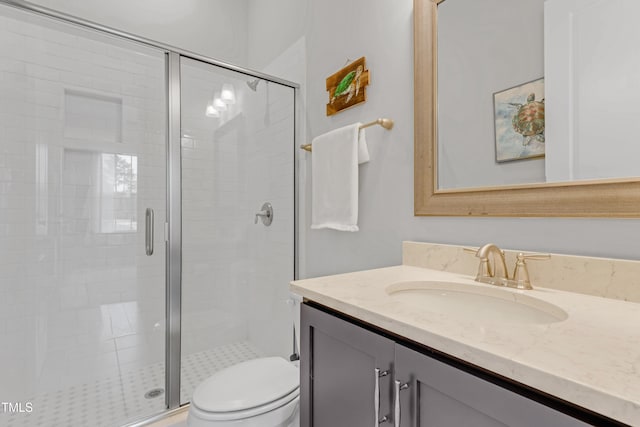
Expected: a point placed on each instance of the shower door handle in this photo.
(148, 229)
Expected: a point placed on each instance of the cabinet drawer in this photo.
(443, 396)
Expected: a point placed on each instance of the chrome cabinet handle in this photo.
(376, 397)
(148, 228)
(396, 401)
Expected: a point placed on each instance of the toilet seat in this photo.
(246, 390)
(284, 404)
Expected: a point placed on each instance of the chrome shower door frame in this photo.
(173, 233)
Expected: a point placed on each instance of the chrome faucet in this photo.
(498, 275)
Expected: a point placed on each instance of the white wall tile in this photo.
(64, 284)
(227, 175)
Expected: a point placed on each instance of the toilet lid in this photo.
(247, 385)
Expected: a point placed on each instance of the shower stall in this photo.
(137, 253)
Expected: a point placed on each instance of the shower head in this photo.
(253, 84)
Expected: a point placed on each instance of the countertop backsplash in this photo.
(602, 277)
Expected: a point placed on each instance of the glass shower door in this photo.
(237, 155)
(82, 188)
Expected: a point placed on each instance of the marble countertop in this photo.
(591, 359)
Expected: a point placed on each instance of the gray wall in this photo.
(482, 49)
(383, 32)
(217, 28)
(274, 25)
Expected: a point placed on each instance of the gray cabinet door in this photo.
(440, 395)
(338, 372)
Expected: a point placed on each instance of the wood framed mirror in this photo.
(585, 198)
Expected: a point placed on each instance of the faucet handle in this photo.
(534, 256)
(521, 273)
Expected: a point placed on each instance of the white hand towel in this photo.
(334, 178)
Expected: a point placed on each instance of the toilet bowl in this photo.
(257, 393)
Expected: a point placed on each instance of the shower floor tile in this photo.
(117, 400)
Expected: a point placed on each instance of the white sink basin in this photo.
(476, 302)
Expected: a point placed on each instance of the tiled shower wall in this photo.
(235, 272)
(79, 299)
(271, 251)
(214, 198)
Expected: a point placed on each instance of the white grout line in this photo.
(116, 400)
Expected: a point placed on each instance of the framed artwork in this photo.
(347, 87)
(519, 122)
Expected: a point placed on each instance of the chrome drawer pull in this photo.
(398, 386)
(376, 397)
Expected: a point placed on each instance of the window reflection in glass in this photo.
(101, 191)
(118, 197)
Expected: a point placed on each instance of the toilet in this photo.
(262, 392)
(257, 393)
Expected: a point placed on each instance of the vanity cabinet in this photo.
(343, 384)
(341, 365)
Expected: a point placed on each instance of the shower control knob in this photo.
(266, 213)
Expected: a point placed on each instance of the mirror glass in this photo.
(536, 91)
